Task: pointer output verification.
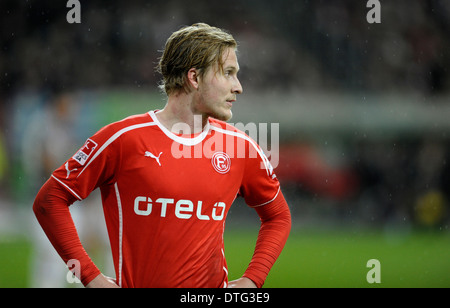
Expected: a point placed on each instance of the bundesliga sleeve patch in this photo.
(86, 150)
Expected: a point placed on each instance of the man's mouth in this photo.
(230, 102)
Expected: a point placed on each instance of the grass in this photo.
(339, 259)
(310, 259)
(15, 255)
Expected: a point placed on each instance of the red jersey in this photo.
(166, 196)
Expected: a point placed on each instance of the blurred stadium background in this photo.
(364, 113)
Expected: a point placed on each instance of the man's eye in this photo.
(228, 73)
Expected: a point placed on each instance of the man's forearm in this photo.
(51, 208)
(272, 236)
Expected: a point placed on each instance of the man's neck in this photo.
(178, 117)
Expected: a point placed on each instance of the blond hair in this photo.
(198, 46)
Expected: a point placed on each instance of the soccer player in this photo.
(168, 178)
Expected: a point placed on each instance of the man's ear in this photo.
(193, 78)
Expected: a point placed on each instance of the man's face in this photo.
(218, 88)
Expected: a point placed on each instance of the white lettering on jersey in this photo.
(184, 209)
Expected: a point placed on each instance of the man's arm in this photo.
(51, 208)
(273, 233)
(101, 281)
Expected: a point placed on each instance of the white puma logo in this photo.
(149, 154)
(69, 171)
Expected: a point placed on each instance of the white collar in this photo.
(182, 140)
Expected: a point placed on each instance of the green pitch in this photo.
(310, 259)
(339, 259)
(15, 257)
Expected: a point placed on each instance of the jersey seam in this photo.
(249, 140)
(271, 200)
(67, 187)
(115, 137)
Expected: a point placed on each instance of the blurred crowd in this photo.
(283, 45)
(402, 181)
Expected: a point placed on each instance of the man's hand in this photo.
(102, 281)
(243, 282)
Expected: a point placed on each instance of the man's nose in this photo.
(237, 87)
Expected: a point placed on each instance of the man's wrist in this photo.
(102, 281)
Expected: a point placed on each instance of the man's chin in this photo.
(223, 116)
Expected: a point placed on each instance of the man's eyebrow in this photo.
(232, 68)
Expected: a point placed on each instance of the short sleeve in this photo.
(92, 166)
(260, 184)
